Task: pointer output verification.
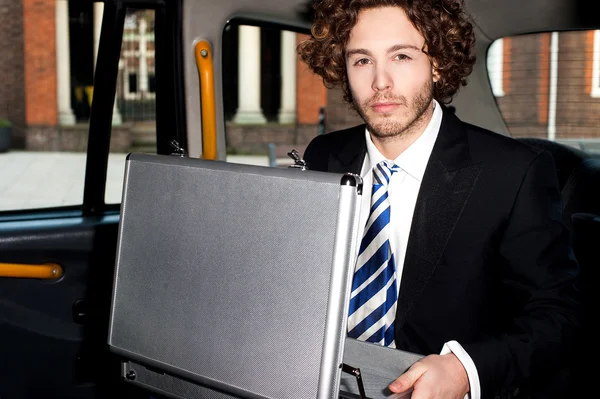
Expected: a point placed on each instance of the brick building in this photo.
(550, 86)
(546, 85)
(12, 66)
(292, 122)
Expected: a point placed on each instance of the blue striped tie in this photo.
(374, 287)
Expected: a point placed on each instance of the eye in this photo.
(362, 61)
(402, 57)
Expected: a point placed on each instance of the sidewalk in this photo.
(50, 179)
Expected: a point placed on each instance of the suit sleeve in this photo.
(316, 154)
(539, 277)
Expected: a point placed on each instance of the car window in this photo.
(47, 95)
(547, 85)
(272, 102)
(45, 105)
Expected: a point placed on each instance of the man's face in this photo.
(390, 77)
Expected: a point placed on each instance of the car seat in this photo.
(578, 176)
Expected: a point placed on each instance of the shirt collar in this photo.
(414, 159)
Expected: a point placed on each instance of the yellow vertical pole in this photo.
(204, 63)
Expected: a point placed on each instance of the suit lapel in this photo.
(447, 183)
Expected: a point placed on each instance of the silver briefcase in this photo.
(232, 280)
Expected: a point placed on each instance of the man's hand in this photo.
(434, 376)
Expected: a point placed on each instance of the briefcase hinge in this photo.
(299, 163)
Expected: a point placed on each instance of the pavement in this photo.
(30, 180)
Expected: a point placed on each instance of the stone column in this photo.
(63, 68)
(287, 112)
(249, 111)
(98, 12)
(553, 86)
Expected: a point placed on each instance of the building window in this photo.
(137, 57)
(133, 86)
(495, 63)
(152, 83)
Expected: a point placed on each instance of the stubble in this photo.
(386, 128)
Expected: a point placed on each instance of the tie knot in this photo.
(383, 171)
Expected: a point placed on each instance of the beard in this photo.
(388, 127)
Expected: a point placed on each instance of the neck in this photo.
(391, 147)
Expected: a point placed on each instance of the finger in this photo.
(408, 379)
(404, 394)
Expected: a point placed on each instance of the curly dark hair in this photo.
(448, 33)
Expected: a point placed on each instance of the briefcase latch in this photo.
(299, 163)
(177, 149)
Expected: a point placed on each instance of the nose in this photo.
(382, 80)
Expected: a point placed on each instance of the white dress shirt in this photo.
(403, 190)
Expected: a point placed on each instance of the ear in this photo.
(434, 71)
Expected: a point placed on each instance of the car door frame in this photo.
(86, 234)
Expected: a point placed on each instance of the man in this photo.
(464, 225)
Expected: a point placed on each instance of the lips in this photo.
(385, 107)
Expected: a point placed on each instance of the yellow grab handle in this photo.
(207, 98)
(46, 271)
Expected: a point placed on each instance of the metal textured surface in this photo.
(223, 274)
(344, 256)
(167, 385)
(379, 366)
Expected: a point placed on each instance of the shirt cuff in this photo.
(467, 362)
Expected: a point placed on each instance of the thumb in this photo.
(407, 380)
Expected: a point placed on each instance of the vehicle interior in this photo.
(53, 321)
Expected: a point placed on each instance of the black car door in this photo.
(57, 262)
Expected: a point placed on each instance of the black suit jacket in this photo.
(488, 261)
